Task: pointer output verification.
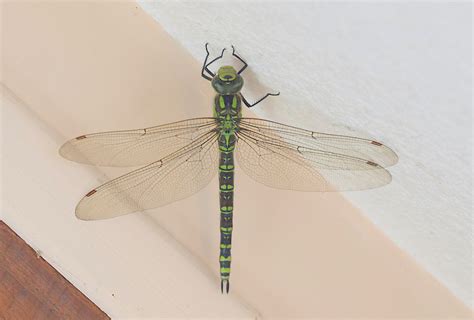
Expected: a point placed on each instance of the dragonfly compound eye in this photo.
(227, 83)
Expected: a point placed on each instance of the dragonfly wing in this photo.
(172, 178)
(285, 157)
(339, 144)
(135, 147)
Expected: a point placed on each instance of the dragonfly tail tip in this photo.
(227, 285)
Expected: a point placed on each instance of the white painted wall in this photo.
(399, 72)
(306, 255)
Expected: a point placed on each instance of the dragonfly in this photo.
(178, 159)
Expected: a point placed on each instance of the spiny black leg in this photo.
(214, 60)
(241, 60)
(204, 64)
(249, 105)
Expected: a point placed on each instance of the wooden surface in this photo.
(32, 289)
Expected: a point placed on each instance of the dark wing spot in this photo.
(91, 193)
(81, 137)
(372, 163)
(376, 143)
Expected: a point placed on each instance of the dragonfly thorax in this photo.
(228, 107)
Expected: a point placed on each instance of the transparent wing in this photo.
(286, 157)
(135, 147)
(349, 146)
(172, 178)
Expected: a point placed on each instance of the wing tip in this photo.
(67, 151)
(80, 215)
(393, 158)
(81, 212)
(62, 150)
(390, 155)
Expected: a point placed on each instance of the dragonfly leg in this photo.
(250, 105)
(241, 60)
(205, 65)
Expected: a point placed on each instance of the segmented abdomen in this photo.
(227, 109)
(226, 193)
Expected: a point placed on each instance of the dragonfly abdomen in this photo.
(227, 110)
(226, 195)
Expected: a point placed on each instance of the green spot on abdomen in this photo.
(226, 149)
(222, 258)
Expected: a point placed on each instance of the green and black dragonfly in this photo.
(181, 158)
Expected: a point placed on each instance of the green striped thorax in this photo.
(227, 105)
(227, 81)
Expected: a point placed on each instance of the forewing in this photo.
(135, 147)
(285, 157)
(172, 178)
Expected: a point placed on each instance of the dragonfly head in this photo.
(227, 81)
